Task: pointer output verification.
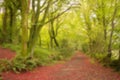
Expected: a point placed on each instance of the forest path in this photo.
(80, 67)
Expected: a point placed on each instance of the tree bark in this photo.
(24, 25)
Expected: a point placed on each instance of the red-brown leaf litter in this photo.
(6, 53)
(79, 67)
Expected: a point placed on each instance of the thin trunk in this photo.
(55, 41)
(110, 41)
(13, 30)
(40, 40)
(11, 22)
(34, 29)
(51, 42)
(119, 52)
(5, 30)
(111, 34)
(104, 21)
(52, 34)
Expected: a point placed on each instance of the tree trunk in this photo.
(33, 41)
(13, 30)
(6, 30)
(24, 25)
(119, 52)
(35, 30)
(40, 40)
(52, 34)
(104, 21)
(51, 42)
(4, 25)
(55, 41)
(111, 34)
(110, 41)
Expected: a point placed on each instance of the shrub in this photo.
(41, 57)
(4, 65)
(21, 63)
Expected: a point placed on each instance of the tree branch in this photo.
(57, 15)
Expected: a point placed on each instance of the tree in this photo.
(40, 18)
(36, 24)
(24, 25)
(9, 28)
(114, 14)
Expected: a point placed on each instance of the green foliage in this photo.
(4, 65)
(99, 56)
(44, 55)
(89, 30)
(13, 47)
(41, 57)
(18, 65)
(66, 50)
(85, 47)
(21, 63)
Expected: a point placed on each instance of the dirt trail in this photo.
(6, 53)
(79, 67)
(82, 68)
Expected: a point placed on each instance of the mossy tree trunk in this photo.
(24, 25)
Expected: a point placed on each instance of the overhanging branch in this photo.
(57, 15)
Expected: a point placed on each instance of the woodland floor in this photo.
(80, 67)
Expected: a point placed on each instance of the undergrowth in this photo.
(20, 63)
(107, 62)
(41, 57)
(13, 47)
